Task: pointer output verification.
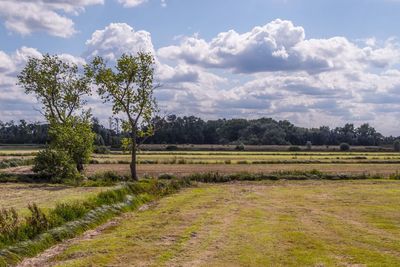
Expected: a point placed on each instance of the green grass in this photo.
(233, 157)
(282, 223)
(28, 237)
(19, 195)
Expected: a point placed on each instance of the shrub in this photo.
(66, 212)
(240, 147)
(9, 222)
(107, 178)
(37, 222)
(101, 150)
(294, 148)
(55, 166)
(166, 176)
(344, 147)
(396, 145)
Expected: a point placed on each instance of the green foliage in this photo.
(54, 165)
(60, 87)
(129, 87)
(166, 176)
(101, 150)
(106, 179)
(240, 147)
(344, 147)
(57, 84)
(37, 222)
(39, 231)
(75, 137)
(9, 221)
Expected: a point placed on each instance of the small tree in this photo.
(396, 145)
(74, 136)
(344, 147)
(60, 87)
(129, 87)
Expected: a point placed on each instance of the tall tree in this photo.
(129, 87)
(60, 87)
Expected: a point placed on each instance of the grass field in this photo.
(229, 157)
(19, 195)
(186, 169)
(304, 223)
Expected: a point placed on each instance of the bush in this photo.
(344, 147)
(101, 150)
(107, 178)
(294, 148)
(396, 145)
(37, 222)
(240, 147)
(9, 221)
(166, 176)
(54, 166)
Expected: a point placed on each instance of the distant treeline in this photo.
(194, 130)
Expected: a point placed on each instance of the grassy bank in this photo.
(26, 236)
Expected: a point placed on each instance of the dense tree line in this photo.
(263, 131)
(194, 130)
(23, 132)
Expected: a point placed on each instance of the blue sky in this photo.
(313, 62)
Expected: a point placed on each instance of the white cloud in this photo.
(135, 3)
(28, 16)
(131, 3)
(116, 39)
(279, 46)
(271, 71)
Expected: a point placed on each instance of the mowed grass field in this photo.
(187, 169)
(230, 157)
(282, 223)
(46, 196)
(154, 163)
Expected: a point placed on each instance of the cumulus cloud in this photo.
(131, 3)
(28, 16)
(272, 71)
(116, 39)
(278, 46)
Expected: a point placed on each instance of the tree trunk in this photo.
(79, 167)
(133, 160)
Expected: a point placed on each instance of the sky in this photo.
(312, 62)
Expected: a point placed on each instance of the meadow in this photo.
(284, 223)
(212, 208)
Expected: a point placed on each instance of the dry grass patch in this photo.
(185, 169)
(19, 195)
